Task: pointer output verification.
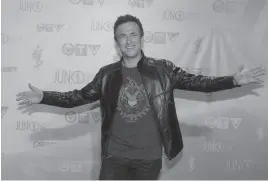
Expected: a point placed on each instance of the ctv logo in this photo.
(37, 56)
(87, 2)
(49, 27)
(71, 167)
(30, 6)
(227, 6)
(101, 26)
(70, 49)
(160, 37)
(84, 117)
(223, 123)
(140, 3)
(74, 166)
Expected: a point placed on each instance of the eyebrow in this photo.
(130, 33)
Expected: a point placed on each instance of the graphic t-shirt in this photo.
(135, 133)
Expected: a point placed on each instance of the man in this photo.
(137, 104)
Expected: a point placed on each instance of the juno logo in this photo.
(28, 126)
(30, 6)
(239, 165)
(101, 26)
(69, 77)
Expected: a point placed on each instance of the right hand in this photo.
(30, 97)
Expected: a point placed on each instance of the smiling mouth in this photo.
(130, 47)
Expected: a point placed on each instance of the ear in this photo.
(116, 46)
(142, 42)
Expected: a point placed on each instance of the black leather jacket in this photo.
(160, 78)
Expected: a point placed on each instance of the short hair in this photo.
(127, 18)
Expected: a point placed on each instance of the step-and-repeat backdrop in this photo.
(60, 45)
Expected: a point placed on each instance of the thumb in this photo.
(240, 67)
(33, 88)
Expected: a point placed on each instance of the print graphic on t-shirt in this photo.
(132, 103)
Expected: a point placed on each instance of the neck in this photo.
(131, 61)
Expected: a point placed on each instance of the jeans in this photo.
(115, 168)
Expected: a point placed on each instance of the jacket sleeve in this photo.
(88, 94)
(184, 80)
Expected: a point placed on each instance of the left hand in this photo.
(246, 76)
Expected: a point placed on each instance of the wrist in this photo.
(235, 82)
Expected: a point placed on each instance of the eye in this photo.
(122, 36)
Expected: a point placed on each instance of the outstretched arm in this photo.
(184, 80)
(88, 94)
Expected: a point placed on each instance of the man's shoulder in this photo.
(111, 67)
(158, 62)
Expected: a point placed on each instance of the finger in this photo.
(23, 94)
(30, 113)
(21, 103)
(261, 71)
(24, 102)
(20, 94)
(257, 80)
(22, 107)
(258, 74)
(256, 70)
(31, 87)
(20, 98)
(240, 67)
(26, 111)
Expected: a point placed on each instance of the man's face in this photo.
(129, 39)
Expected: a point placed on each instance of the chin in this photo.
(131, 54)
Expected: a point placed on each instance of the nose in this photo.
(129, 39)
